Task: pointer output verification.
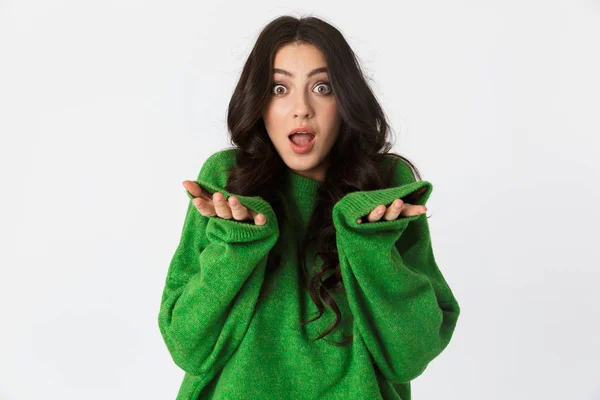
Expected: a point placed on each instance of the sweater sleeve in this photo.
(213, 282)
(403, 307)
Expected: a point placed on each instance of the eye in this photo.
(275, 86)
(327, 91)
(328, 85)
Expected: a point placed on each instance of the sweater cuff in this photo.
(359, 204)
(232, 230)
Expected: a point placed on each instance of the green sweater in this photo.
(397, 304)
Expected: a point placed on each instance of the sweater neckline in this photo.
(301, 187)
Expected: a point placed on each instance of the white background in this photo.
(107, 106)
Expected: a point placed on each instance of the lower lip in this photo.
(302, 149)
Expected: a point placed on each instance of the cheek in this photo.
(333, 116)
(268, 119)
(273, 121)
(273, 114)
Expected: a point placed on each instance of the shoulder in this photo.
(397, 170)
(216, 167)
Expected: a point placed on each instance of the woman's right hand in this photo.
(213, 205)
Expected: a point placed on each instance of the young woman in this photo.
(309, 181)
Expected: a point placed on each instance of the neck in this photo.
(301, 187)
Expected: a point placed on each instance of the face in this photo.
(302, 97)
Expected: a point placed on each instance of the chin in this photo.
(301, 163)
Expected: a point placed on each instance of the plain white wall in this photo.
(106, 107)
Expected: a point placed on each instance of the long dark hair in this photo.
(353, 160)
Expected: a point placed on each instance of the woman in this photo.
(310, 180)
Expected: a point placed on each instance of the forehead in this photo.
(299, 57)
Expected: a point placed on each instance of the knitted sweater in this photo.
(233, 345)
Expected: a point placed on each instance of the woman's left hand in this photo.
(398, 207)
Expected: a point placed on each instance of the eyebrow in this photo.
(311, 73)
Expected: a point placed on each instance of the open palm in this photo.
(215, 204)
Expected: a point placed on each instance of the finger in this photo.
(260, 219)
(409, 210)
(239, 212)
(195, 189)
(393, 211)
(221, 206)
(376, 214)
(244, 213)
(204, 207)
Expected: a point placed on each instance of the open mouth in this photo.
(301, 139)
(302, 143)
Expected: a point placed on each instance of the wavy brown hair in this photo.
(354, 160)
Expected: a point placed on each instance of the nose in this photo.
(302, 107)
